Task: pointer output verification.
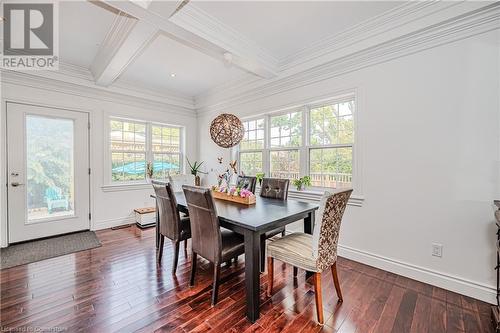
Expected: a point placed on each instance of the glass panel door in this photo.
(48, 171)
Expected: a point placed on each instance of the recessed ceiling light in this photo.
(172, 74)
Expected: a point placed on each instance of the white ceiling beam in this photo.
(196, 29)
(125, 41)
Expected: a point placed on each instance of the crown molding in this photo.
(194, 19)
(415, 27)
(78, 81)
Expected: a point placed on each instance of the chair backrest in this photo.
(275, 188)
(169, 224)
(53, 193)
(247, 182)
(179, 180)
(327, 227)
(205, 229)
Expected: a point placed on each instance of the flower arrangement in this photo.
(233, 191)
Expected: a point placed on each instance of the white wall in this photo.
(429, 140)
(108, 208)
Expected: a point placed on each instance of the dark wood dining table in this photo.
(251, 222)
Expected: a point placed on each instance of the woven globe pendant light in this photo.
(227, 130)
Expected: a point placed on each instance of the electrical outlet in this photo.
(437, 250)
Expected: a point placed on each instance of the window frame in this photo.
(305, 148)
(108, 181)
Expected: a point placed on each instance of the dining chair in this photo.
(171, 224)
(273, 188)
(314, 253)
(209, 240)
(247, 182)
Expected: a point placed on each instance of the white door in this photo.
(48, 171)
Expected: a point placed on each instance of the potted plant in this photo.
(195, 170)
(260, 176)
(302, 182)
(149, 171)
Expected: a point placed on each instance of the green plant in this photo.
(302, 182)
(149, 169)
(195, 168)
(260, 176)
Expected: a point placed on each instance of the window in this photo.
(286, 130)
(128, 150)
(251, 163)
(332, 127)
(252, 145)
(166, 151)
(315, 140)
(285, 164)
(134, 143)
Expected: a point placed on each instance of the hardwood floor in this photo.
(119, 288)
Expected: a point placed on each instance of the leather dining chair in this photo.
(210, 241)
(171, 224)
(273, 188)
(247, 182)
(314, 253)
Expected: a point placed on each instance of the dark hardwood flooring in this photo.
(120, 288)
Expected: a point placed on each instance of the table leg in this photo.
(157, 228)
(252, 274)
(308, 229)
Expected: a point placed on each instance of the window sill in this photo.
(126, 187)
(354, 200)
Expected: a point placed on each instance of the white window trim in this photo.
(314, 193)
(111, 186)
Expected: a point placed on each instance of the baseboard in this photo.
(456, 284)
(110, 223)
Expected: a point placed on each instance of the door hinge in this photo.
(90, 171)
(90, 216)
(89, 125)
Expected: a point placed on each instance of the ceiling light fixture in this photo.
(172, 74)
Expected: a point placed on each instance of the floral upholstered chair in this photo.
(317, 252)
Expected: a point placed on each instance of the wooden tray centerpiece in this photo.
(234, 194)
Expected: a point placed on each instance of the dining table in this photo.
(252, 221)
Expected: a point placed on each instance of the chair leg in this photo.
(176, 256)
(193, 267)
(295, 271)
(160, 247)
(270, 275)
(336, 282)
(262, 253)
(283, 233)
(215, 290)
(185, 245)
(318, 296)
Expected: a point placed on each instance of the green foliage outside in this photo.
(49, 158)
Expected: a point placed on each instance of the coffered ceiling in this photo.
(190, 47)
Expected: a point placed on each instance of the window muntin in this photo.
(285, 164)
(286, 130)
(254, 135)
(251, 163)
(133, 143)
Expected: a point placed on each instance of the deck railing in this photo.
(335, 180)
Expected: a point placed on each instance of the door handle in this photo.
(16, 184)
